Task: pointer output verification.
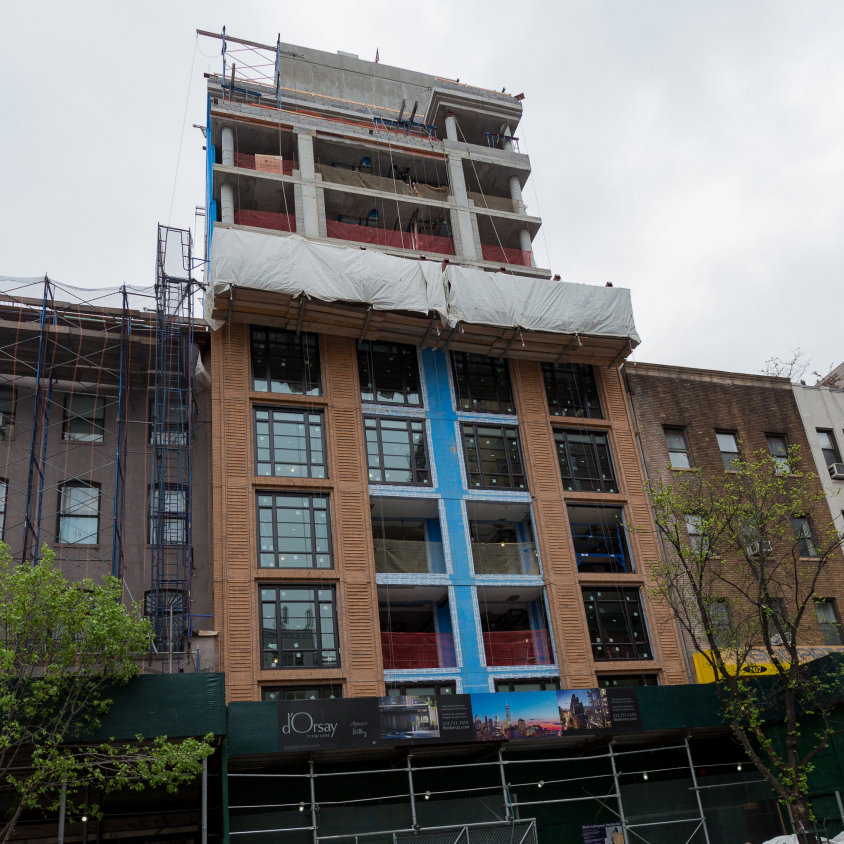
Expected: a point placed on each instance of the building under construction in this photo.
(103, 417)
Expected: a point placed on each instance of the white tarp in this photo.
(296, 266)
(537, 304)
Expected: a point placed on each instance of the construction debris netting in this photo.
(297, 267)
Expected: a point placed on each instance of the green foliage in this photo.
(742, 584)
(62, 647)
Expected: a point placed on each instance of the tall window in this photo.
(728, 444)
(829, 447)
(493, 457)
(599, 537)
(298, 627)
(678, 448)
(168, 513)
(616, 624)
(482, 383)
(396, 451)
(79, 513)
(778, 449)
(572, 390)
(284, 362)
(585, 460)
(694, 525)
(828, 621)
(289, 443)
(3, 488)
(174, 426)
(804, 536)
(389, 373)
(294, 531)
(84, 418)
(721, 622)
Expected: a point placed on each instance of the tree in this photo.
(62, 647)
(793, 367)
(741, 570)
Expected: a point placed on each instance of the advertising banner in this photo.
(414, 719)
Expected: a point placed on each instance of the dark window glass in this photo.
(389, 373)
(778, 449)
(294, 531)
(538, 684)
(301, 692)
(828, 621)
(298, 627)
(396, 452)
(600, 539)
(678, 448)
(84, 418)
(171, 517)
(804, 536)
(289, 443)
(7, 405)
(585, 460)
(493, 457)
(615, 681)
(572, 390)
(284, 362)
(420, 689)
(482, 384)
(828, 446)
(728, 444)
(3, 488)
(616, 624)
(79, 513)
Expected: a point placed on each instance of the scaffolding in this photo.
(168, 601)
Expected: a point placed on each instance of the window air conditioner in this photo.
(836, 471)
(755, 548)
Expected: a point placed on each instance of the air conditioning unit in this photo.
(836, 471)
(755, 548)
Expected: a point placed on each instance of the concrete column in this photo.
(525, 244)
(461, 199)
(228, 147)
(226, 203)
(451, 127)
(310, 207)
(516, 195)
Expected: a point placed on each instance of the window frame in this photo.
(472, 429)
(62, 514)
(721, 623)
(549, 684)
(309, 383)
(825, 626)
(4, 492)
(312, 537)
(783, 467)
(572, 483)
(667, 429)
(315, 602)
(320, 687)
(466, 382)
(169, 438)
(12, 399)
(310, 468)
(171, 522)
(599, 644)
(575, 379)
(420, 475)
(407, 688)
(832, 449)
(804, 537)
(366, 351)
(96, 420)
(728, 464)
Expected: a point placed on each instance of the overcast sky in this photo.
(691, 151)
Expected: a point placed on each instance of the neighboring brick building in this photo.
(700, 418)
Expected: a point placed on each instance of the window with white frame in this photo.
(79, 513)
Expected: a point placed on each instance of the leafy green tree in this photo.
(741, 570)
(63, 646)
